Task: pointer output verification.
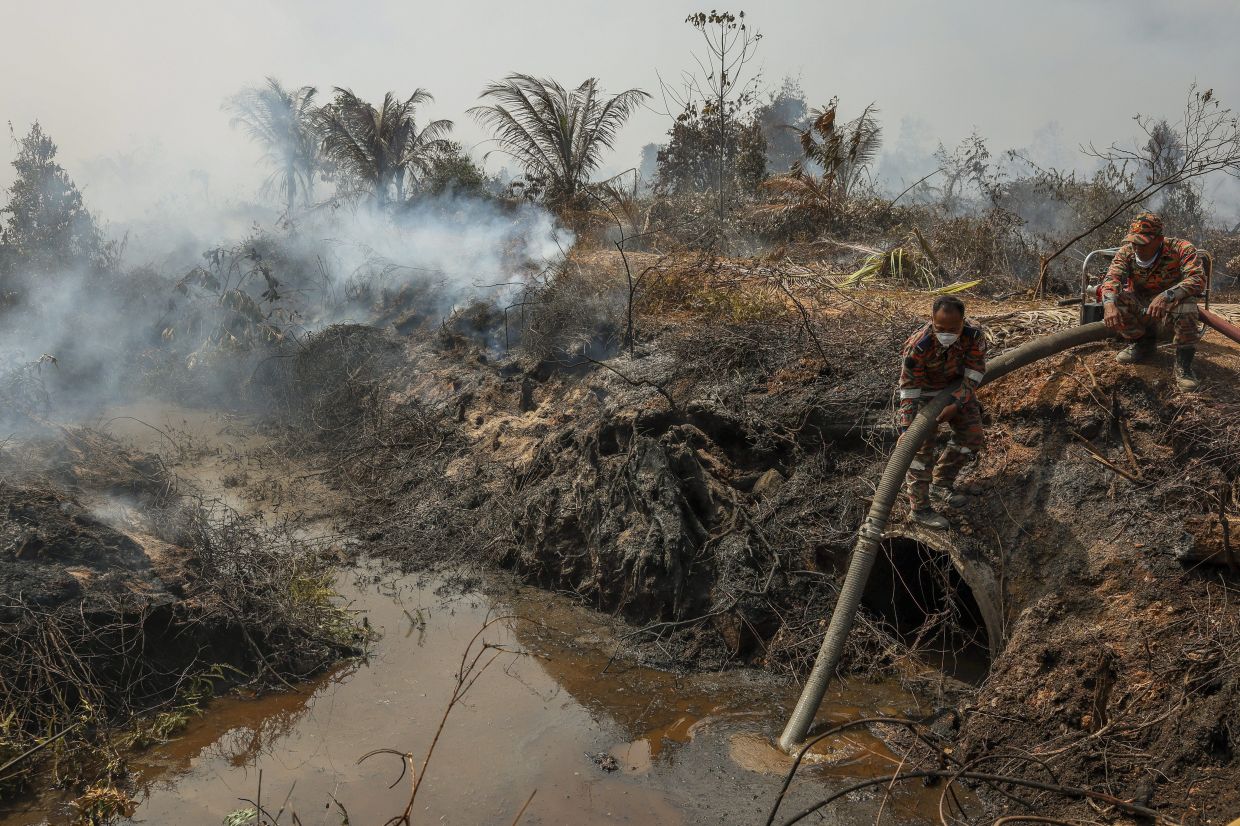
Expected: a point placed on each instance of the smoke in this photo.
(909, 158)
(465, 248)
(200, 290)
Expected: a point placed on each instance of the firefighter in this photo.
(945, 349)
(1153, 284)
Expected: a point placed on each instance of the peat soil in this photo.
(697, 497)
(564, 722)
(128, 601)
(706, 487)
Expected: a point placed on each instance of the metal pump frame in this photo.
(1091, 308)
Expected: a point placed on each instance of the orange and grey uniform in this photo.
(1176, 271)
(927, 368)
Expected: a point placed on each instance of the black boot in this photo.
(1139, 350)
(1184, 375)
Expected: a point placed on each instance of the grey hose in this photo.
(871, 532)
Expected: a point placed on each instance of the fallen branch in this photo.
(630, 380)
(1098, 457)
(1224, 493)
(35, 748)
(521, 813)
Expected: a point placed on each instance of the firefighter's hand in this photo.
(1110, 316)
(1159, 307)
(948, 412)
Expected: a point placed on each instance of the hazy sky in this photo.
(131, 89)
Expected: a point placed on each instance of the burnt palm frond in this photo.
(844, 151)
(798, 191)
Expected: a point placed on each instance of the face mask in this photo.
(1144, 264)
(947, 339)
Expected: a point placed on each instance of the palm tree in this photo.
(379, 149)
(557, 136)
(281, 121)
(844, 152)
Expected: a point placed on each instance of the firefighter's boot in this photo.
(1138, 351)
(945, 495)
(929, 518)
(1185, 378)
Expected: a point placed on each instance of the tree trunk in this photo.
(290, 187)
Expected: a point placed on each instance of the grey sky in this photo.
(131, 89)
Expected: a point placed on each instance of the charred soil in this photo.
(128, 602)
(706, 488)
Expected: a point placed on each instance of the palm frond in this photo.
(553, 133)
(281, 121)
(959, 287)
(380, 148)
(844, 151)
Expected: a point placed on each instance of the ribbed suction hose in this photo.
(871, 532)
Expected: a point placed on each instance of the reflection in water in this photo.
(687, 748)
(515, 732)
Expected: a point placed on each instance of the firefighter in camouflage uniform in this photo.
(1152, 284)
(942, 351)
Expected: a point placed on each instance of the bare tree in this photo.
(621, 205)
(720, 83)
(1204, 142)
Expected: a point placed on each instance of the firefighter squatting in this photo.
(1152, 285)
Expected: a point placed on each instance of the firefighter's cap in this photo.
(1144, 228)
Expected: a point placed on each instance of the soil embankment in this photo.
(704, 488)
(129, 600)
(707, 488)
(562, 712)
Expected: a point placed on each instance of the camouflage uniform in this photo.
(927, 368)
(1176, 271)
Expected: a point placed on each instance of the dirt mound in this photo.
(708, 488)
(54, 550)
(705, 492)
(1122, 670)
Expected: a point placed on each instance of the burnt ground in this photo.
(706, 488)
(125, 603)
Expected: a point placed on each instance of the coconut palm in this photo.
(379, 150)
(281, 121)
(558, 136)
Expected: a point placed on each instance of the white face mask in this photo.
(947, 339)
(1144, 264)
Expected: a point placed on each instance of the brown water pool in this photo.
(554, 722)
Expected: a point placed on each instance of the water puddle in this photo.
(555, 721)
(593, 741)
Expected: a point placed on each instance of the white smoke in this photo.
(468, 248)
(111, 334)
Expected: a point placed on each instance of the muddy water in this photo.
(592, 739)
(549, 721)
